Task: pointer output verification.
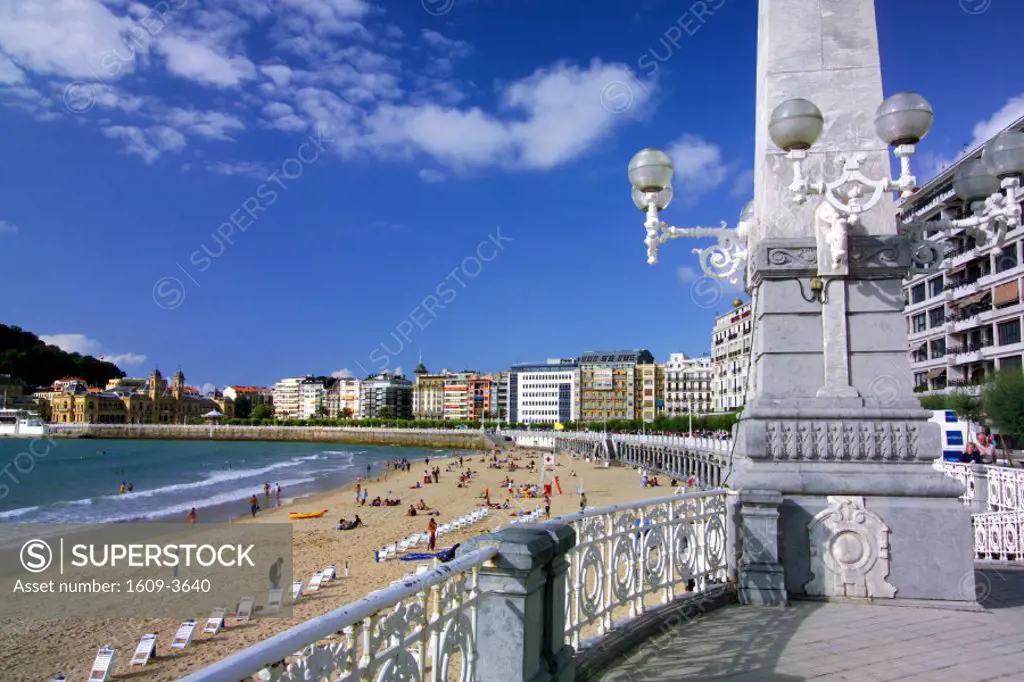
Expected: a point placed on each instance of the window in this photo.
(1009, 332)
(935, 286)
(1007, 259)
(917, 323)
(1012, 362)
(936, 317)
(938, 348)
(917, 294)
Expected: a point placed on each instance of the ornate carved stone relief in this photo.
(849, 552)
(839, 441)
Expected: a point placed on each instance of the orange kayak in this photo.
(306, 515)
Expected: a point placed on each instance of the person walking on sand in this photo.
(583, 501)
(362, 502)
(266, 489)
(192, 516)
(359, 489)
(278, 494)
(432, 529)
(547, 506)
(254, 505)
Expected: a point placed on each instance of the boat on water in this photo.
(306, 515)
(21, 424)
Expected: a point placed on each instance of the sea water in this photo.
(78, 480)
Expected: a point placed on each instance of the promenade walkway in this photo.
(827, 641)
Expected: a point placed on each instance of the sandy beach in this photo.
(38, 650)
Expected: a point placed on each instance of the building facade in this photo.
(687, 385)
(607, 384)
(428, 393)
(543, 393)
(479, 395)
(286, 398)
(732, 339)
(156, 402)
(385, 390)
(343, 398)
(256, 395)
(649, 391)
(964, 321)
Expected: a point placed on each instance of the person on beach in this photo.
(122, 487)
(130, 486)
(192, 516)
(359, 490)
(362, 502)
(421, 505)
(583, 501)
(432, 529)
(266, 489)
(547, 506)
(278, 494)
(254, 505)
(411, 511)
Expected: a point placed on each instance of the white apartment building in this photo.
(544, 393)
(964, 321)
(731, 339)
(456, 396)
(687, 385)
(286, 398)
(343, 395)
(311, 399)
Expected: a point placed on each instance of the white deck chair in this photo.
(103, 665)
(215, 622)
(403, 545)
(297, 589)
(144, 651)
(314, 582)
(183, 637)
(244, 611)
(274, 600)
(330, 572)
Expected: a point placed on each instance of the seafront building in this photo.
(650, 390)
(342, 399)
(256, 395)
(963, 322)
(479, 396)
(543, 393)
(732, 339)
(385, 390)
(607, 384)
(286, 398)
(428, 393)
(687, 385)
(456, 396)
(156, 402)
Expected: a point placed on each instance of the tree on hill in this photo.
(26, 356)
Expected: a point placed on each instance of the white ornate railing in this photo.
(998, 536)
(961, 472)
(1004, 486)
(631, 557)
(412, 631)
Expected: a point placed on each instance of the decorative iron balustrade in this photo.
(410, 631)
(998, 536)
(632, 557)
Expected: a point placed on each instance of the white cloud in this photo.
(985, 130)
(9, 73)
(342, 374)
(213, 125)
(202, 63)
(8, 228)
(688, 275)
(743, 185)
(72, 343)
(150, 143)
(430, 175)
(452, 48)
(242, 168)
(398, 370)
(208, 388)
(83, 345)
(127, 359)
(66, 38)
(699, 167)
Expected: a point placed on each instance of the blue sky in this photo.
(364, 161)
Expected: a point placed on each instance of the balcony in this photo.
(960, 255)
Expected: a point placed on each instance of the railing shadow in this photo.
(733, 643)
(1000, 587)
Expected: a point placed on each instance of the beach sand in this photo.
(39, 649)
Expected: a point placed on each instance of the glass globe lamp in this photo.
(904, 118)
(796, 124)
(650, 170)
(973, 181)
(1004, 155)
(661, 199)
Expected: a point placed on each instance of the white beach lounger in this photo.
(244, 611)
(314, 582)
(274, 600)
(103, 665)
(330, 572)
(297, 590)
(404, 545)
(215, 622)
(144, 651)
(184, 635)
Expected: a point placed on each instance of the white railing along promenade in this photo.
(410, 631)
(241, 427)
(997, 531)
(631, 557)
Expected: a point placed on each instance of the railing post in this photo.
(980, 500)
(521, 613)
(761, 576)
